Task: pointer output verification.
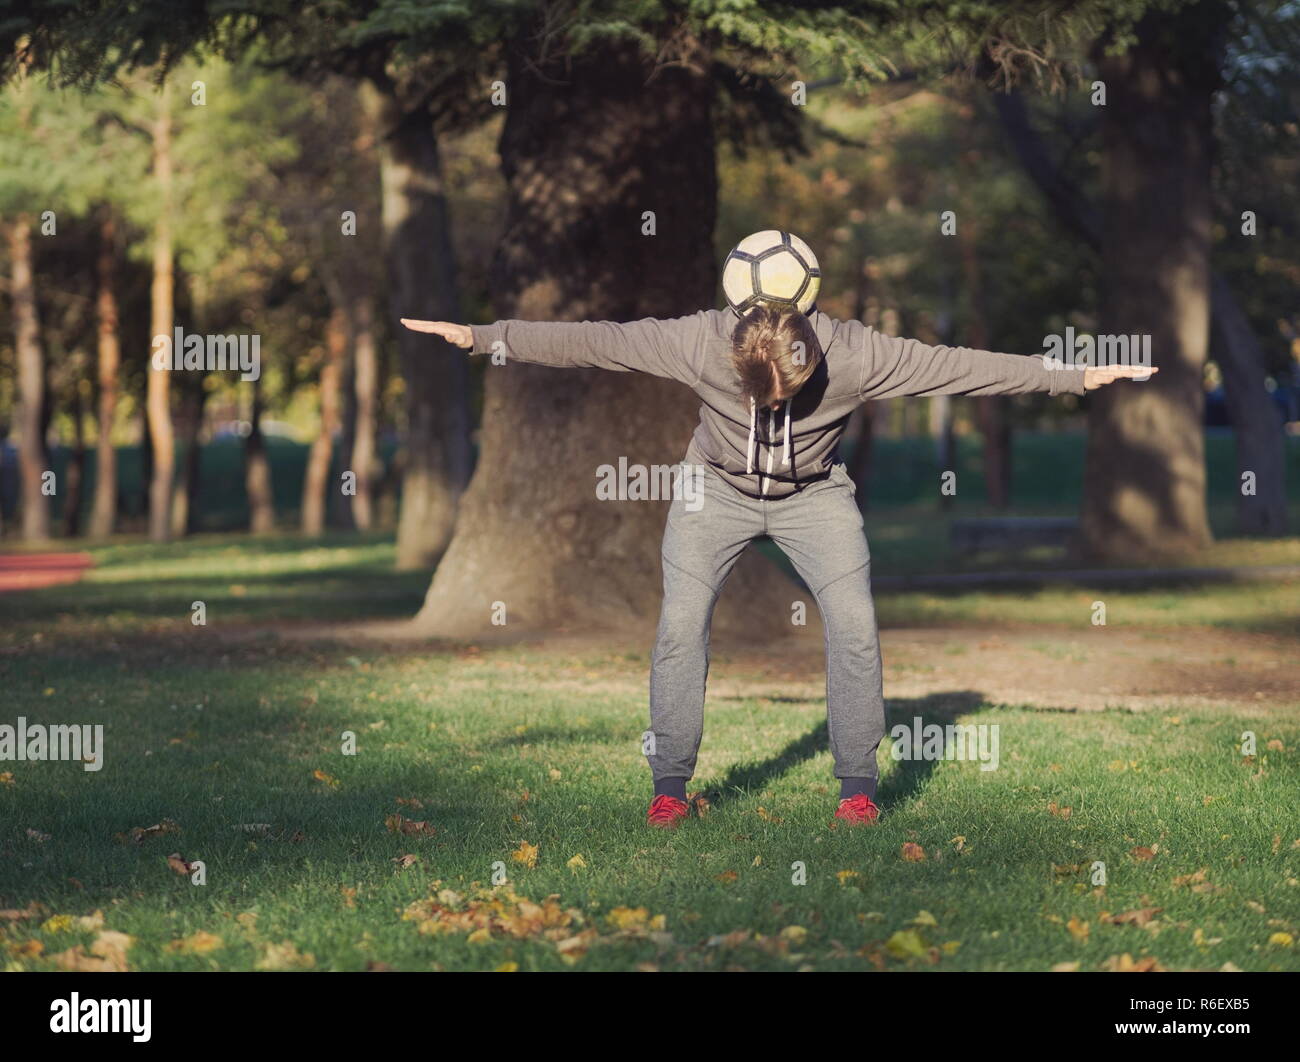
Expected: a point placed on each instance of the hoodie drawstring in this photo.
(753, 431)
(771, 429)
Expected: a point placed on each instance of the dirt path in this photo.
(34, 571)
(1087, 669)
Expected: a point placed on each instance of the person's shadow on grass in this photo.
(897, 786)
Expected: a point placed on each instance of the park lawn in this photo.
(526, 760)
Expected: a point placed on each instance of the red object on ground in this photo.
(666, 813)
(33, 571)
(858, 810)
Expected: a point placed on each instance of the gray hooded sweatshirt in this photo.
(760, 451)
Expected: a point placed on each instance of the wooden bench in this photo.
(976, 534)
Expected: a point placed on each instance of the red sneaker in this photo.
(666, 813)
(857, 810)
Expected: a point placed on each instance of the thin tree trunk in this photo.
(74, 476)
(589, 144)
(316, 481)
(257, 471)
(30, 353)
(422, 274)
(162, 316)
(1144, 483)
(193, 398)
(103, 516)
(185, 496)
(365, 392)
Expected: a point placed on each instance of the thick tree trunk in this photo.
(1144, 484)
(257, 471)
(422, 274)
(1257, 431)
(316, 482)
(588, 146)
(158, 401)
(1258, 436)
(862, 426)
(30, 354)
(103, 515)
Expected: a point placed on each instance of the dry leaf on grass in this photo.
(178, 863)
(1191, 879)
(913, 852)
(107, 955)
(698, 805)
(907, 944)
(200, 943)
(140, 834)
(285, 956)
(409, 827)
(1127, 964)
(1139, 917)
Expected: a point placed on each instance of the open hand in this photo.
(457, 334)
(1102, 375)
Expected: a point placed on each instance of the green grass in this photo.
(516, 745)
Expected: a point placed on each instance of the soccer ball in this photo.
(771, 268)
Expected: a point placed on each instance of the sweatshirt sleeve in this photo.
(892, 367)
(668, 348)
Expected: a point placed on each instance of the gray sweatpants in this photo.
(820, 530)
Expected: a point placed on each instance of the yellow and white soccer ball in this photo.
(771, 268)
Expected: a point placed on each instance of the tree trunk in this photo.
(257, 471)
(103, 515)
(74, 475)
(588, 146)
(422, 275)
(158, 400)
(1256, 427)
(1258, 436)
(185, 497)
(990, 411)
(316, 484)
(30, 354)
(862, 425)
(365, 402)
(1144, 483)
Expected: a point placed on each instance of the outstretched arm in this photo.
(894, 367)
(666, 348)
